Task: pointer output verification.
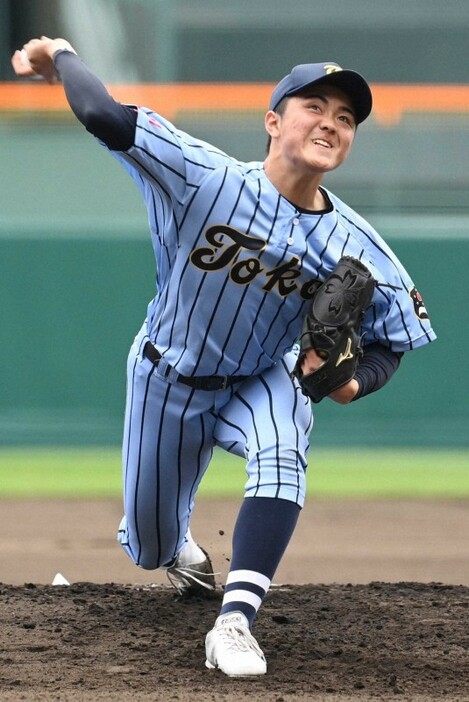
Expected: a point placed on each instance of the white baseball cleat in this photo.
(192, 571)
(193, 578)
(231, 647)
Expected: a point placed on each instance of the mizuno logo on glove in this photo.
(347, 355)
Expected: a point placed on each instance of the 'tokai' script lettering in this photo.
(225, 245)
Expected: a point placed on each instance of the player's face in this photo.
(316, 131)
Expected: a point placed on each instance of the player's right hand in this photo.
(36, 58)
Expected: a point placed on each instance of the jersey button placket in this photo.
(290, 239)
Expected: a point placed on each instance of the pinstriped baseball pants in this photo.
(170, 432)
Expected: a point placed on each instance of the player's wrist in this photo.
(59, 45)
(346, 393)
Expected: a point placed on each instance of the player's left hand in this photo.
(36, 58)
(343, 395)
(332, 328)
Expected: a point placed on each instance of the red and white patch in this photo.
(419, 305)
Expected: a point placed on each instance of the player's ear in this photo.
(271, 121)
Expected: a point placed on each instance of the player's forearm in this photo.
(376, 368)
(89, 99)
(346, 394)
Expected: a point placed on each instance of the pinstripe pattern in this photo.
(236, 263)
(243, 316)
(273, 428)
(170, 432)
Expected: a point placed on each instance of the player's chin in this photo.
(327, 160)
(322, 166)
(323, 163)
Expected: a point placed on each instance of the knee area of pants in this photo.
(272, 459)
(265, 470)
(149, 562)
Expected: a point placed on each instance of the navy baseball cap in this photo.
(330, 73)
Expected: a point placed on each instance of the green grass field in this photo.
(79, 473)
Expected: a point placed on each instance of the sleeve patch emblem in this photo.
(419, 305)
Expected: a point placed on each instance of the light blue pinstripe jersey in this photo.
(235, 259)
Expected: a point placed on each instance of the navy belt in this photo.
(199, 382)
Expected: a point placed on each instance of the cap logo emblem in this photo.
(331, 69)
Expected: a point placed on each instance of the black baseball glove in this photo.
(332, 328)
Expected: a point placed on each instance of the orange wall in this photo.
(391, 102)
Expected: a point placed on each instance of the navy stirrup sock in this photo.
(261, 535)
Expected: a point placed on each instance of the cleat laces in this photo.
(182, 577)
(238, 639)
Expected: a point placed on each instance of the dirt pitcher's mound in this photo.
(334, 642)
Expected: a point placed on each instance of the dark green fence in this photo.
(71, 307)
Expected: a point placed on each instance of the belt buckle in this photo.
(224, 382)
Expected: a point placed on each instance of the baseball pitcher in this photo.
(271, 295)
